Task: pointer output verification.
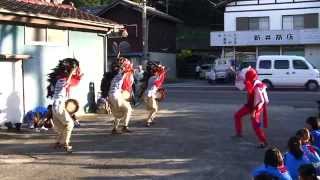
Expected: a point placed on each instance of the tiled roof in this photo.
(138, 7)
(92, 10)
(58, 12)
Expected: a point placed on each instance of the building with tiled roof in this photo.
(34, 36)
(137, 7)
(161, 31)
(44, 13)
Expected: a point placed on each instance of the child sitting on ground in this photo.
(313, 124)
(39, 118)
(273, 165)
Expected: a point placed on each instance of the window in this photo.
(269, 50)
(56, 36)
(252, 23)
(242, 23)
(265, 64)
(299, 64)
(35, 34)
(293, 50)
(45, 36)
(132, 29)
(281, 64)
(311, 20)
(300, 21)
(263, 23)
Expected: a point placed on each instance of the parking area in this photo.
(189, 141)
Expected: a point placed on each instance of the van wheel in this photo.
(268, 84)
(312, 86)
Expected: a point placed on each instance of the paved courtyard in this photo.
(188, 141)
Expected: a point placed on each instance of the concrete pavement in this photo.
(189, 141)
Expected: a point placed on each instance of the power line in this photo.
(214, 4)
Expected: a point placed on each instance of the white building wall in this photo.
(253, 2)
(89, 51)
(11, 97)
(87, 48)
(253, 5)
(273, 11)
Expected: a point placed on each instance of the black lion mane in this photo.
(63, 69)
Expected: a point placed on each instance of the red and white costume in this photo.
(119, 93)
(257, 101)
(65, 76)
(155, 82)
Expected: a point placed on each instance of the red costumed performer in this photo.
(257, 101)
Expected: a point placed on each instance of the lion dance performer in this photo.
(64, 76)
(257, 101)
(154, 91)
(119, 94)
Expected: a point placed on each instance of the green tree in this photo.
(185, 53)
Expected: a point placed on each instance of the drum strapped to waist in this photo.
(72, 106)
(161, 94)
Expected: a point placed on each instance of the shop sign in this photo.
(284, 37)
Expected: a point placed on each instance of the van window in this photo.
(281, 64)
(299, 64)
(265, 64)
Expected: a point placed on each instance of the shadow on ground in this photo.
(192, 141)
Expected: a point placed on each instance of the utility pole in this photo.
(144, 30)
(167, 6)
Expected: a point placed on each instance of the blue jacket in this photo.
(42, 111)
(311, 153)
(31, 114)
(293, 164)
(281, 174)
(316, 138)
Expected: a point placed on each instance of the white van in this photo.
(280, 71)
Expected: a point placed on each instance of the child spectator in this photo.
(273, 166)
(313, 124)
(295, 157)
(38, 118)
(307, 172)
(308, 149)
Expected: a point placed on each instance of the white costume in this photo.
(150, 98)
(120, 108)
(63, 123)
